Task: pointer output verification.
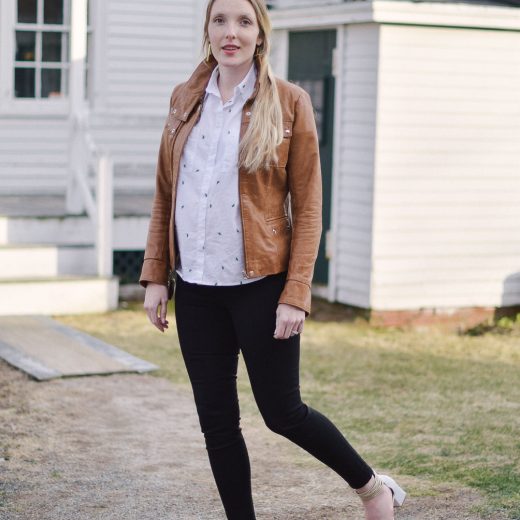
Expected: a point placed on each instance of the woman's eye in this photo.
(246, 22)
(219, 20)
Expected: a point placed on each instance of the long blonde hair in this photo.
(265, 132)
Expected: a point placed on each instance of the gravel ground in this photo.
(129, 447)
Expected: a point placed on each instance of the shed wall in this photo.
(447, 186)
(356, 168)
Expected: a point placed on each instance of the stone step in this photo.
(58, 295)
(46, 260)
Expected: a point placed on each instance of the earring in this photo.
(208, 52)
(258, 53)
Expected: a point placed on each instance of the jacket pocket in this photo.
(278, 225)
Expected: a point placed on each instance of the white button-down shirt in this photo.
(207, 209)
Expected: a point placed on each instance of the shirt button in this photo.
(248, 113)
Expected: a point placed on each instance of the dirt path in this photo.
(130, 447)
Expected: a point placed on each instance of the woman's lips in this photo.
(230, 50)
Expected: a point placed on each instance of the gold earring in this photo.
(258, 53)
(208, 52)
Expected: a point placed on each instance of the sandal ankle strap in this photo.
(374, 490)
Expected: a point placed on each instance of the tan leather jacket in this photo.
(280, 232)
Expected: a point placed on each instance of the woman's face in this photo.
(233, 32)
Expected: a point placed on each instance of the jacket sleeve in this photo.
(305, 187)
(155, 266)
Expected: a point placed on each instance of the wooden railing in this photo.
(96, 198)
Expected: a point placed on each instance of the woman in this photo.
(236, 218)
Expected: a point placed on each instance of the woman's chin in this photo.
(234, 61)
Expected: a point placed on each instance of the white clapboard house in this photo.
(418, 113)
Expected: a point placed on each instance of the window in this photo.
(42, 33)
(40, 69)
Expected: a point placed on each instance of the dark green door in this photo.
(310, 66)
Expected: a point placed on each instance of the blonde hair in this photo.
(265, 132)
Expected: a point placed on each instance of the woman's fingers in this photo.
(164, 309)
(289, 320)
(156, 295)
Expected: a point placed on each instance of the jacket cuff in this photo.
(298, 294)
(155, 271)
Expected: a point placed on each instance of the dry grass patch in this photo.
(443, 408)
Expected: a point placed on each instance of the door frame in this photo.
(280, 62)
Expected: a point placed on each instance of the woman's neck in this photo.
(229, 78)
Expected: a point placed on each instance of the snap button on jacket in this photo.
(280, 208)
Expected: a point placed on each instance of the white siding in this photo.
(150, 46)
(283, 4)
(143, 50)
(356, 170)
(447, 191)
(33, 154)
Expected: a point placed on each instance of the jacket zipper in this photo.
(246, 272)
(246, 265)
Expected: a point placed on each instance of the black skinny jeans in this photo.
(214, 324)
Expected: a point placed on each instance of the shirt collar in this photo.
(244, 89)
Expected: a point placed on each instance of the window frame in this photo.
(11, 105)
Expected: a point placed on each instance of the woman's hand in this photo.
(156, 294)
(289, 320)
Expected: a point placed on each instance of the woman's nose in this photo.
(231, 31)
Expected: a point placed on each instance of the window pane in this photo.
(24, 83)
(53, 11)
(25, 45)
(51, 46)
(27, 11)
(51, 83)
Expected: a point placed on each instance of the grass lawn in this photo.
(440, 406)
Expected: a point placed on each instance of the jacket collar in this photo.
(194, 90)
(241, 91)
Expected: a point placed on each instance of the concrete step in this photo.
(58, 295)
(46, 260)
(129, 230)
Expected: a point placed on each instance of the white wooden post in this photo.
(333, 242)
(105, 179)
(78, 55)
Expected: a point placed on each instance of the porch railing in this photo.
(96, 198)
